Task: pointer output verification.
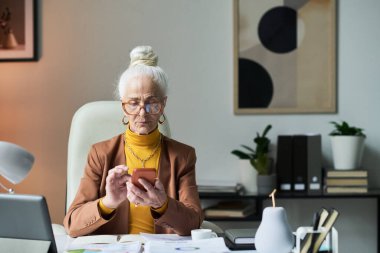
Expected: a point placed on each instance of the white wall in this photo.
(85, 47)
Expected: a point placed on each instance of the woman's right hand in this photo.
(116, 188)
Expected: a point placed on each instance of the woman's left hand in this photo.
(155, 196)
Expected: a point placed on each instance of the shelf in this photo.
(259, 199)
(284, 195)
(252, 217)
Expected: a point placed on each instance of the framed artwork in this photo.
(284, 56)
(18, 30)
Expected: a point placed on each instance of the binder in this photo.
(284, 163)
(307, 164)
(299, 163)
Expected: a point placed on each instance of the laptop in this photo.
(26, 217)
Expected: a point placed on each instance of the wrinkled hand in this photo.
(116, 189)
(155, 196)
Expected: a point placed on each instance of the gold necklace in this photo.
(143, 161)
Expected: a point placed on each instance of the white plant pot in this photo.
(347, 151)
(248, 176)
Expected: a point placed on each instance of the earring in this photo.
(123, 120)
(161, 122)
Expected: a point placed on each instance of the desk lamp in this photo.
(15, 163)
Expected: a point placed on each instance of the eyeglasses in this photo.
(133, 107)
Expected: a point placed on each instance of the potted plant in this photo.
(347, 146)
(261, 162)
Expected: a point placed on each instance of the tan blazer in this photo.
(176, 172)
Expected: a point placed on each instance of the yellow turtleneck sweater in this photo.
(140, 217)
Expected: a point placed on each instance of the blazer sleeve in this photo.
(184, 214)
(83, 216)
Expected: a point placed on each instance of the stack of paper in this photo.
(235, 189)
(106, 243)
(213, 245)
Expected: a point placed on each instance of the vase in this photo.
(248, 176)
(274, 234)
(9, 41)
(347, 151)
(266, 184)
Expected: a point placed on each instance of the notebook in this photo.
(26, 217)
(240, 239)
(242, 235)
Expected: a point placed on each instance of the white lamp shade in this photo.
(15, 162)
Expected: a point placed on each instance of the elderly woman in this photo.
(107, 202)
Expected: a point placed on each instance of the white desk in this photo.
(63, 240)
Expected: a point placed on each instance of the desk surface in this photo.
(63, 240)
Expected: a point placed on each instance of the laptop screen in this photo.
(26, 217)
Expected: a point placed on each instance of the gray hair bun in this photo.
(143, 55)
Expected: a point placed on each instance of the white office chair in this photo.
(91, 123)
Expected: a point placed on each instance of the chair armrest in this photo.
(210, 225)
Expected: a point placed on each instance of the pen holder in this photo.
(329, 244)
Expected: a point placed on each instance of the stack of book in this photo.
(346, 181)
(230, 209)
(226, 189)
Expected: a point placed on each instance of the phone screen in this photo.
(149, 174)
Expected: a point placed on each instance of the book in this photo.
(234, 246)
(346, 181)
(346, 173)
(241, 235)
(233, 209)
(346, 189)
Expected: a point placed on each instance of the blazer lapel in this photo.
(164, 165)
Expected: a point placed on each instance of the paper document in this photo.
(130, 247)
(106, 243)
(213, 245)
(164, 237)
(96, 239)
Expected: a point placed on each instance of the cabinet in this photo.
(259, 200)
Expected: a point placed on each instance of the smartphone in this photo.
(149, 174)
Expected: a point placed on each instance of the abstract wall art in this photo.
(284, 56)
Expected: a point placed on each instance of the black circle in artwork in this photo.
(277, 29)
(255, 85)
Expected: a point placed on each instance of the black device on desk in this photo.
(240, 239)
(26, 217)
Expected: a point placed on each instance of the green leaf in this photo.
(261, 164)
(248, 148)
(266, 130)
(345, 129)
(262, 148)
(241, 154)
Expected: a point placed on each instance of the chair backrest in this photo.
(91, 123)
